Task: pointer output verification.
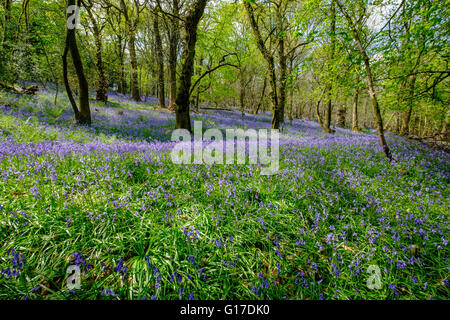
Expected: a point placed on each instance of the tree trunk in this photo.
(160, 63)
(242, 91)
(291, 108)
(372, 94)
(319, 118)
(283, 65)
(376, 108)
(83, 114)
(445, 132)
(174, 38)
(261, 99)
(341, 115)
(270, 65)
(408, 113)
(102, 88)
(122, 85)
(102, 84)
(135, 95)
(7, 20)
(329, 87)
(355, 125)
(182, 116)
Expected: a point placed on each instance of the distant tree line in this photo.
(347, 63)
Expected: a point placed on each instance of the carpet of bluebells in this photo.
(109, 199)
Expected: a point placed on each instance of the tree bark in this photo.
(83, 114)
(355, 125)
(174, 39)
(132, 24)
(341, 115)
(329, 89)
(135, 95)
(242, 91)
(372, 94)
(122, 85)
(319, 118)
(6, 34)
(408, 113)
(102, 89)
(283, 65)
(159, 63)
(261, 99)
(182, 116)
(270, 65)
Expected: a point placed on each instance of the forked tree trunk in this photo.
(83, 114)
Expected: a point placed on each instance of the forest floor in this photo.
(109, 199)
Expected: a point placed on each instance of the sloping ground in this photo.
(109, 199)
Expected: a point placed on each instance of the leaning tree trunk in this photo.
(376, 108)
(319, 118)
(372, 94)
(182, 116)
(83, 114)
(283, 66)
(270, 65)
(160, 64)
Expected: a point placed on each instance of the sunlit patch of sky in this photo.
(379, 14)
